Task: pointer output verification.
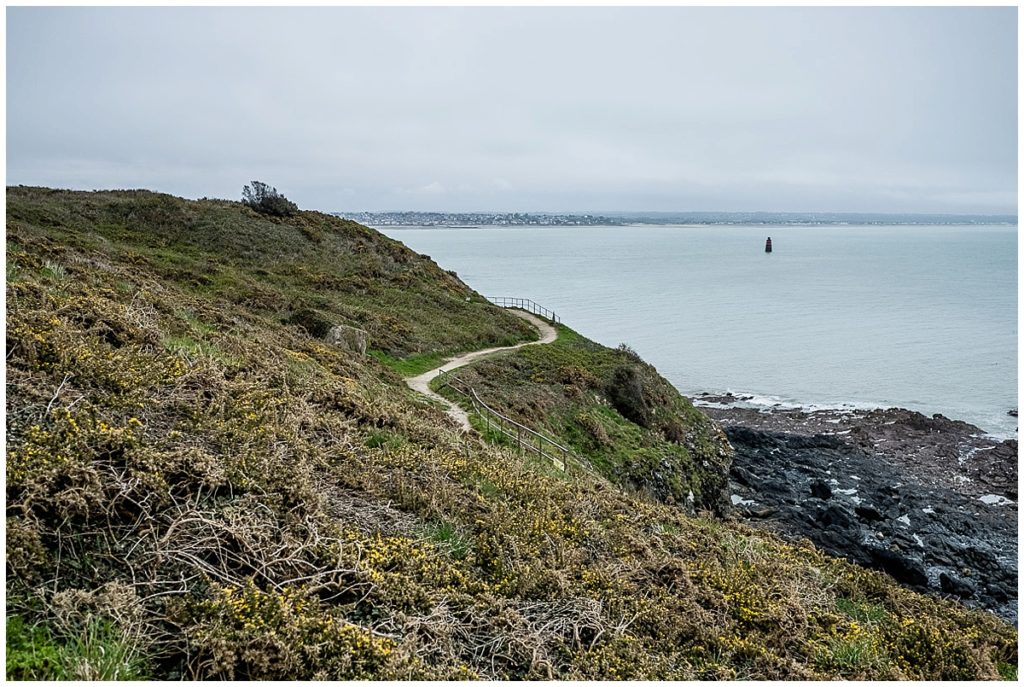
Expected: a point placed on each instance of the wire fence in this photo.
(524, 304)
(525, 439)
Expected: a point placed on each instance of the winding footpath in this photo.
(421, 383)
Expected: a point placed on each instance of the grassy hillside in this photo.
(612, 408)
(311, 268)
(200, 487)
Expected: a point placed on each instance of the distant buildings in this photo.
(461, 219)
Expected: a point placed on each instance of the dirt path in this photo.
(421, 383)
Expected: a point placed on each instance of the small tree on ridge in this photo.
(265, 199)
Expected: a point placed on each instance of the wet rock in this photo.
(868, 514)
(751, 437)
(998, 593)
(821, 490)
(956, 586)
(902, 519)
(744, 477)
(902, 568)
(837, 516)
(935, 449)
(815, 441)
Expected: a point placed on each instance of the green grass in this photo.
(862, 611)
(97, 652)
(487, 488)
(667, 528)
(190, 348)
(848, 656)
(449, 539)
(13, 271)
(563, 390)
(381, 438)
(487, 428)
(412, 365)
(567, 336)
(222, 252)
(55, 271)
(1007, 671)
(31, 652)
(203, 328)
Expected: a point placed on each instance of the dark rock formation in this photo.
(887, 509)
(820, 489)
(955, 586)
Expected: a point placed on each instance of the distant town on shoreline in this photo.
(473, 219)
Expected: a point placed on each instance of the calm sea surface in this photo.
(922, 317)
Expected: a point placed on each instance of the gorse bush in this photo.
(313, 322)
(626, 392)
(197, 489)
(265, 199)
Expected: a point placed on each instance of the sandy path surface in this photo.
(421, 382)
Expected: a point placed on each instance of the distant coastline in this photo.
(456, 220)
(470, 220)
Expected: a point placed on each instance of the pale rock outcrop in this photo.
(347, 338)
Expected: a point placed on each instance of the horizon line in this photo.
(688, 212)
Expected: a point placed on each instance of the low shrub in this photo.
(625, 390)
(315, 324)
(266, 200)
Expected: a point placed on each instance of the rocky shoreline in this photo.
(931, 501)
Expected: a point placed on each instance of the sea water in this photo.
(920, 317)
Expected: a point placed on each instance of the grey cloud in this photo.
(866, 109)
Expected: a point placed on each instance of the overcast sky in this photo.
(557, 109)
